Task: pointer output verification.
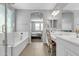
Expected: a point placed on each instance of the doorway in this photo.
(36, 27)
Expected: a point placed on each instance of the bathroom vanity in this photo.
(67, 44)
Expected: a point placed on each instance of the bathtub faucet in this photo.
(21, 36)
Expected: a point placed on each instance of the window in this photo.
(10, 18)
(37, 26)
(2, 17)
(41, 26)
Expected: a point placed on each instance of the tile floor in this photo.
(35, 49)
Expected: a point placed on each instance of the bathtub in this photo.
(20, 44)
(16, 43)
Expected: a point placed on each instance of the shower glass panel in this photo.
(10, 30)
(10, 18)
(6, 37)
(2, 29)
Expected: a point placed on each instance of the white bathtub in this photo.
(16, 44)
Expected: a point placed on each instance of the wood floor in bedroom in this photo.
(36, 39)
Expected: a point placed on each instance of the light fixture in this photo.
(54, 13)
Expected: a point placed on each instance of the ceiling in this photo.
(72, 6)
(45, 8)
(34, 6)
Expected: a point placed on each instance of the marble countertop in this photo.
(70, 37)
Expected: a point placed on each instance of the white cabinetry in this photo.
(66, 48)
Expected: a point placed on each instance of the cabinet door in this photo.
(69, 52)
(60, 48)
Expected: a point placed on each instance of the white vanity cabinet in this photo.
(66, 48)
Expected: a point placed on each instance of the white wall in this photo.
(23, 21)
